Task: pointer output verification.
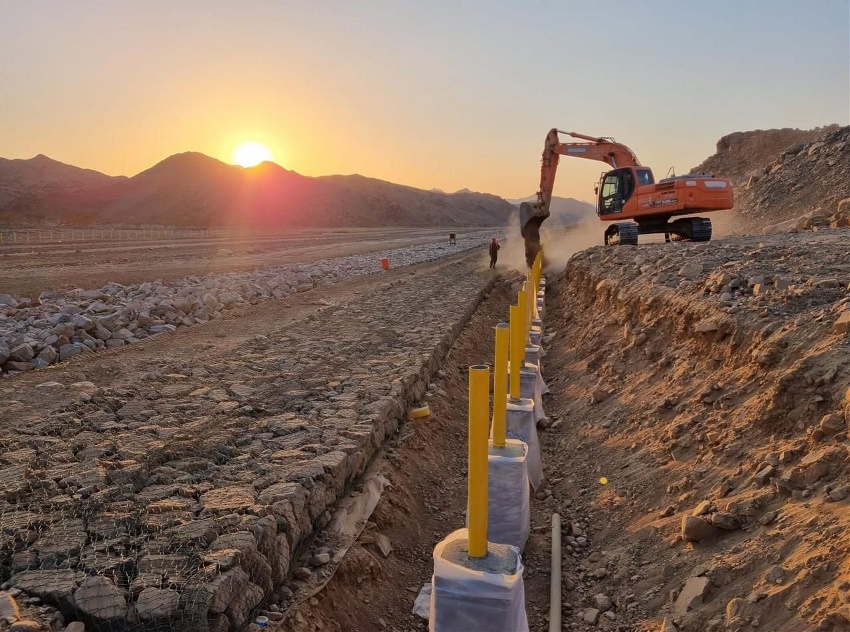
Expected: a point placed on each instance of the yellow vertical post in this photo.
(529, 305)
(517, 349)
(522, 301)
(500, 385)
(532, 300)
(479, 391)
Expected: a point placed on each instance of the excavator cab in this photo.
(614, 190)
(616, 187)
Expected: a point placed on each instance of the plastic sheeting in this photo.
(531, 387)
(464, 600)
(508, 498)
(529, 380)
(523, 426)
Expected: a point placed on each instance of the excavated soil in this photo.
(696, 448)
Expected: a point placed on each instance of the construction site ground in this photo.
(696, 448)
(696, 444)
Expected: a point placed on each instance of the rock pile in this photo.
(740, 153)
(807, 177)
(56, 326)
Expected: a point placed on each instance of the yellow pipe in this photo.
(532, 301)
(479, 399)
(500, 385)
(517, 349)
(529, 303)
(522, 300)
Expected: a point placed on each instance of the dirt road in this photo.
(27, 270)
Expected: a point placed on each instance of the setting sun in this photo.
(251, 153)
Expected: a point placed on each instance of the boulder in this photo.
(21, 353)
(100, 599)
(695, 528)
(692, 595)
(157, 603)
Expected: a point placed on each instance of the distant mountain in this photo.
(192, 189)
(40, 176)
(564, 211)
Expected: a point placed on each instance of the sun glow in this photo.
(251, 153)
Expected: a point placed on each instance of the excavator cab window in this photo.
(617, 188)
(628, 184)
(644, 176)
(609, 194)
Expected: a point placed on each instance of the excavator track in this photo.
(622, 234)
(691, 229)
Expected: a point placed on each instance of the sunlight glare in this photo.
(250, 154)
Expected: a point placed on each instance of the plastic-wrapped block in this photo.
(477, 593)
(508, 497)
(523, 426)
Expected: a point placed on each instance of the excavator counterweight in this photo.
(627, 192)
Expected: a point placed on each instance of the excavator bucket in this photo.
(530, 218)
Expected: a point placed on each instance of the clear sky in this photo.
(437, 93)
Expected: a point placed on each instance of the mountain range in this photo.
(192, 189)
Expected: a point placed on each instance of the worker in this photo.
(494, 252)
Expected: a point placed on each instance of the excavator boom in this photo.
(628, 191)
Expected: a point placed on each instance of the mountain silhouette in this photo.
(192, 189)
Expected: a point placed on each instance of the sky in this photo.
(444, 94)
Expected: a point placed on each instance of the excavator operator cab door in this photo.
(615, 189)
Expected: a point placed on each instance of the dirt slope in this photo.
(803, 178)
(706, 381)
(740, 153)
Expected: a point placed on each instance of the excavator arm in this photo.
(531, 216)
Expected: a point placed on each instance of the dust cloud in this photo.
(559, 244)
(726, 224)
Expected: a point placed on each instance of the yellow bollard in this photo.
(529, 305)
(500, 385)
(479, 400)
(517, 349)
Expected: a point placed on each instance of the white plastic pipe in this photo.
(555, 583)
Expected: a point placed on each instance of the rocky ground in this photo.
(696, 448)
(176, 483)
(58, 325)
(804, 178)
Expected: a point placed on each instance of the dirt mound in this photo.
(740, 153)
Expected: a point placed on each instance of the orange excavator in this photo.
(627, 192)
